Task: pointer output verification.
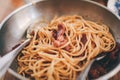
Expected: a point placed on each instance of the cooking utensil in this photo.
(14, 26)
(84, 73)
(6, 60)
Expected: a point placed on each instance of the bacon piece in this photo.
(67, 48)
(83, 39)
(56, 43)
(59, 37)
(61, 29)
(54, 33)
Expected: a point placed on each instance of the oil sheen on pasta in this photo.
(63, 48)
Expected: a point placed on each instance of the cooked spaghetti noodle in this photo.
(63, 48)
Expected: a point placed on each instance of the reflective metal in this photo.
(13, 27)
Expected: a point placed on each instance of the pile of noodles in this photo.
(63, 48)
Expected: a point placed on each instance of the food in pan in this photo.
(63, 48)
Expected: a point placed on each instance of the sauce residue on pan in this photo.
(99, 68)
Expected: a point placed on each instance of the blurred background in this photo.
(7, 6)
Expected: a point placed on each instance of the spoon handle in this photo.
(84, 73)
(6, 60)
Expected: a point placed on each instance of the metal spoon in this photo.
(84, 73)
(6, 60)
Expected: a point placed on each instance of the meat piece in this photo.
(67, 48)
(83, 39)
(59, 38)
(54, 33)
(61, 29)
(56, 43)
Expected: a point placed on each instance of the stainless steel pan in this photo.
(14, 26)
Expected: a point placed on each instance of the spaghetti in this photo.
(63, 48)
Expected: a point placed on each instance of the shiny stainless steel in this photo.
(85, 72)
(6, 60)
(14, 26)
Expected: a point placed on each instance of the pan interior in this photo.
(14, 29)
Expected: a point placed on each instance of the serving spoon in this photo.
(6, 60)
(84, 73)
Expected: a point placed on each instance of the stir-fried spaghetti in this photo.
(63, 48)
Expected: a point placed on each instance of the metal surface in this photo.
(14, 26)
(85, 72)
(6, 60)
